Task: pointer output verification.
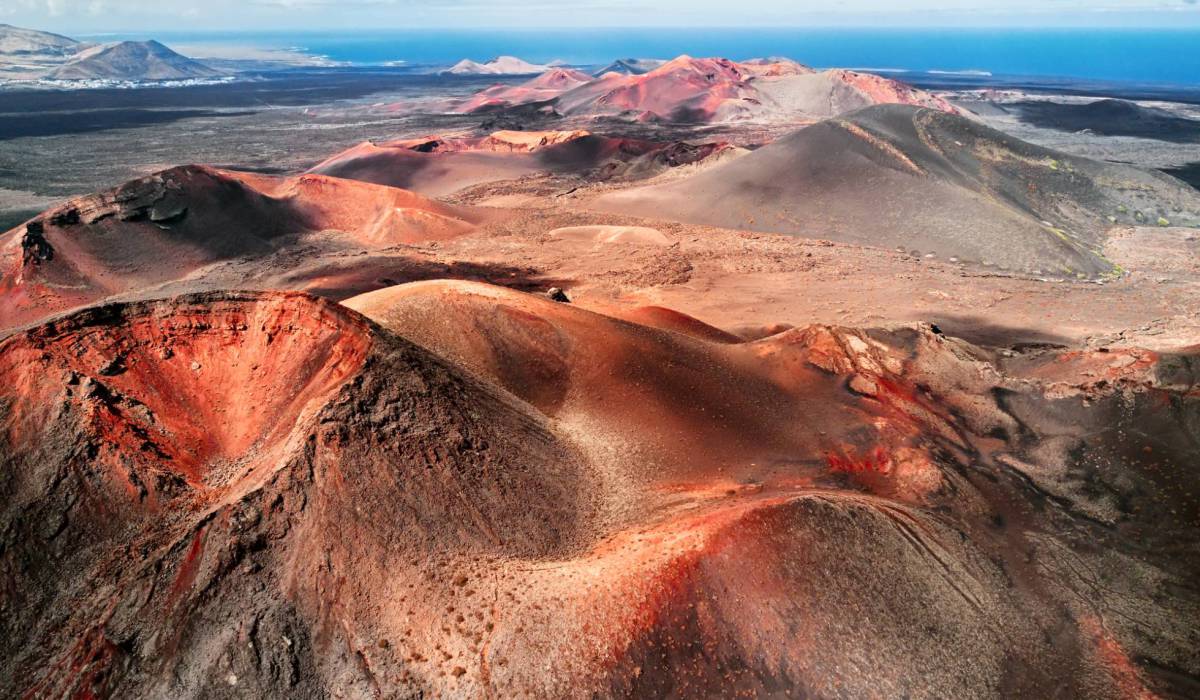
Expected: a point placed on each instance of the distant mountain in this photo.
(27, 54)
(704, 90)
(546, 86)
(630, 66)
(503, 65)
(18, 41)
(708, 90)
(132, 60)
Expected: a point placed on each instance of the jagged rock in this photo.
(861, 384)
(167, 210)
(66, 217)
(35, 248)
(113, 367)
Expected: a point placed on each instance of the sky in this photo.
(95, 16)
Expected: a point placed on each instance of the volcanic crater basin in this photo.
(187, 481)
(455, 489)
(180, 221)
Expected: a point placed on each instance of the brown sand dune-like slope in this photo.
(601, 235)
(830, 93)
(492, 495)
(925, 181)
(439, 167)
(435, 175)
(166, 226)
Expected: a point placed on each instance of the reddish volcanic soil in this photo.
(894, 406)
(546, 86)
(172, 224)
(705, 90)
(494, 494)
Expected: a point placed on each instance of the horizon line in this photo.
(617, 27)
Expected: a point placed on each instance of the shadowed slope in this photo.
(207, 495)
(926, 181)
(785, 507)
(439, 167)
(1111, 118)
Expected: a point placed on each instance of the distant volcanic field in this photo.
(894, 405)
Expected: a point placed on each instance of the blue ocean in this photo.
(1144, 56)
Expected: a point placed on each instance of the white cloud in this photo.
(137, 15)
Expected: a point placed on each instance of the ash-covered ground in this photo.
(64, 143)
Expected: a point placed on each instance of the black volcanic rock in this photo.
(1111, 118)
(1189, 173)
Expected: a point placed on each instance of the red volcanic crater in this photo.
(212, 473)
(169, 225)
(484, 493)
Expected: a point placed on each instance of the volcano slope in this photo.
(925, 181)
(438, 167)
(704, 91)
(175, 223)
(714, 90)
(546, 86)
(491, 494)
(208, 476)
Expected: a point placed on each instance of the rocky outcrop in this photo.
(34, 246)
